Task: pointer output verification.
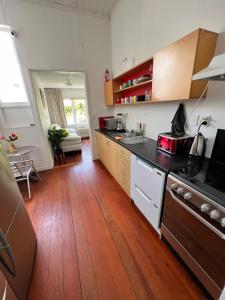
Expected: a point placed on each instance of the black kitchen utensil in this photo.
(178, 122)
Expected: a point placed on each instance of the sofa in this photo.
(72, 142)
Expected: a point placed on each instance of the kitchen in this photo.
(141, 215)
(170, 181)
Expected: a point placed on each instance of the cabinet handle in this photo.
(143, 164)
(149, 167)
(5, 247)
(194, 214)
(143, 194)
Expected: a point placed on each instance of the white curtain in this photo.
(55, 105)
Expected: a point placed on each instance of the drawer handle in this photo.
(140, 162)
(149, 167)
(143, 194)
(197, 216)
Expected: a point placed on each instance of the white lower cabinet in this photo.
(147, 188)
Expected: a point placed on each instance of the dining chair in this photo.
(24, 170)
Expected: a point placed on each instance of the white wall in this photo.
(73, 93)
(141, 28)
(51, 39)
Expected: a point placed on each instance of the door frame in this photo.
(88, 103)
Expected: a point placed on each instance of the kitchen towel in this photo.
(178, 121)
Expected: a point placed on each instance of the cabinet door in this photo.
(113, 159)
(99, 144)
(173, 69)
(101, 147)
(149, 179)
(124, 168)
(106, 153)
(108, 86)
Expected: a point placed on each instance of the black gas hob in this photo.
(206, 176)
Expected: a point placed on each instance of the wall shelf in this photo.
(170, 82)
(140, 89)
(142, 84)
(134, 103)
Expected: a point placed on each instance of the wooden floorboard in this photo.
(94, 244)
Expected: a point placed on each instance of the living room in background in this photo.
(76, 115)
(61, 100)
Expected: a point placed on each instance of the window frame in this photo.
(77, 125)
(6, 28)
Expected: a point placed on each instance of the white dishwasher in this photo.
(147, 188)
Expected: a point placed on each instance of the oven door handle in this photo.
(197, 216)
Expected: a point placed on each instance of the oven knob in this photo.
(205, 207)
(215, 214)
(180, 191)
(187, 196)
(222, 222)
(174, 186)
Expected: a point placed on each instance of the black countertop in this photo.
(204, 175)
(149, 152)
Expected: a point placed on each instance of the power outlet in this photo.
(207, 119)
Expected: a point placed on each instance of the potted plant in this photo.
(56, 135)
(11, 139)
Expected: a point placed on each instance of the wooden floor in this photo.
(94, 244)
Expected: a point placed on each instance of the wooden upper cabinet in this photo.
(108, 87)
(174, 66)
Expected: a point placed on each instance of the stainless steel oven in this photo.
(194, 226)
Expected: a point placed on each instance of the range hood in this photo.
(214, 71)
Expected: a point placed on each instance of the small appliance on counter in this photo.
(120, 122)
(101, 121)
(176, 141)
(172, 144)
(119, 126)
(199, 144)
(111, 124)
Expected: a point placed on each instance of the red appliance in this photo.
(173, 144)
(101, 121)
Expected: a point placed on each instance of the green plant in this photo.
(80, 107)
(68, 110)
(56, 137)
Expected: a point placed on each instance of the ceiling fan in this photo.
(69, 82)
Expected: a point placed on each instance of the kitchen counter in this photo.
(149, 152)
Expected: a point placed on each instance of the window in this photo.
(12, 88)
(76, 112)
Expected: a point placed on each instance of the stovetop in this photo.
(206, 176)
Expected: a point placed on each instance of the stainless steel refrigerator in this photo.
(17, 236)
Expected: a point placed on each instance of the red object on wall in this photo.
(125, 89)
(101, 121)
(107, 75)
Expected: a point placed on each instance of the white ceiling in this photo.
(58, 79)
(98, 7)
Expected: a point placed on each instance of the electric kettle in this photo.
(198, 146)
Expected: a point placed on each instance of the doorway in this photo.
(62, 103)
